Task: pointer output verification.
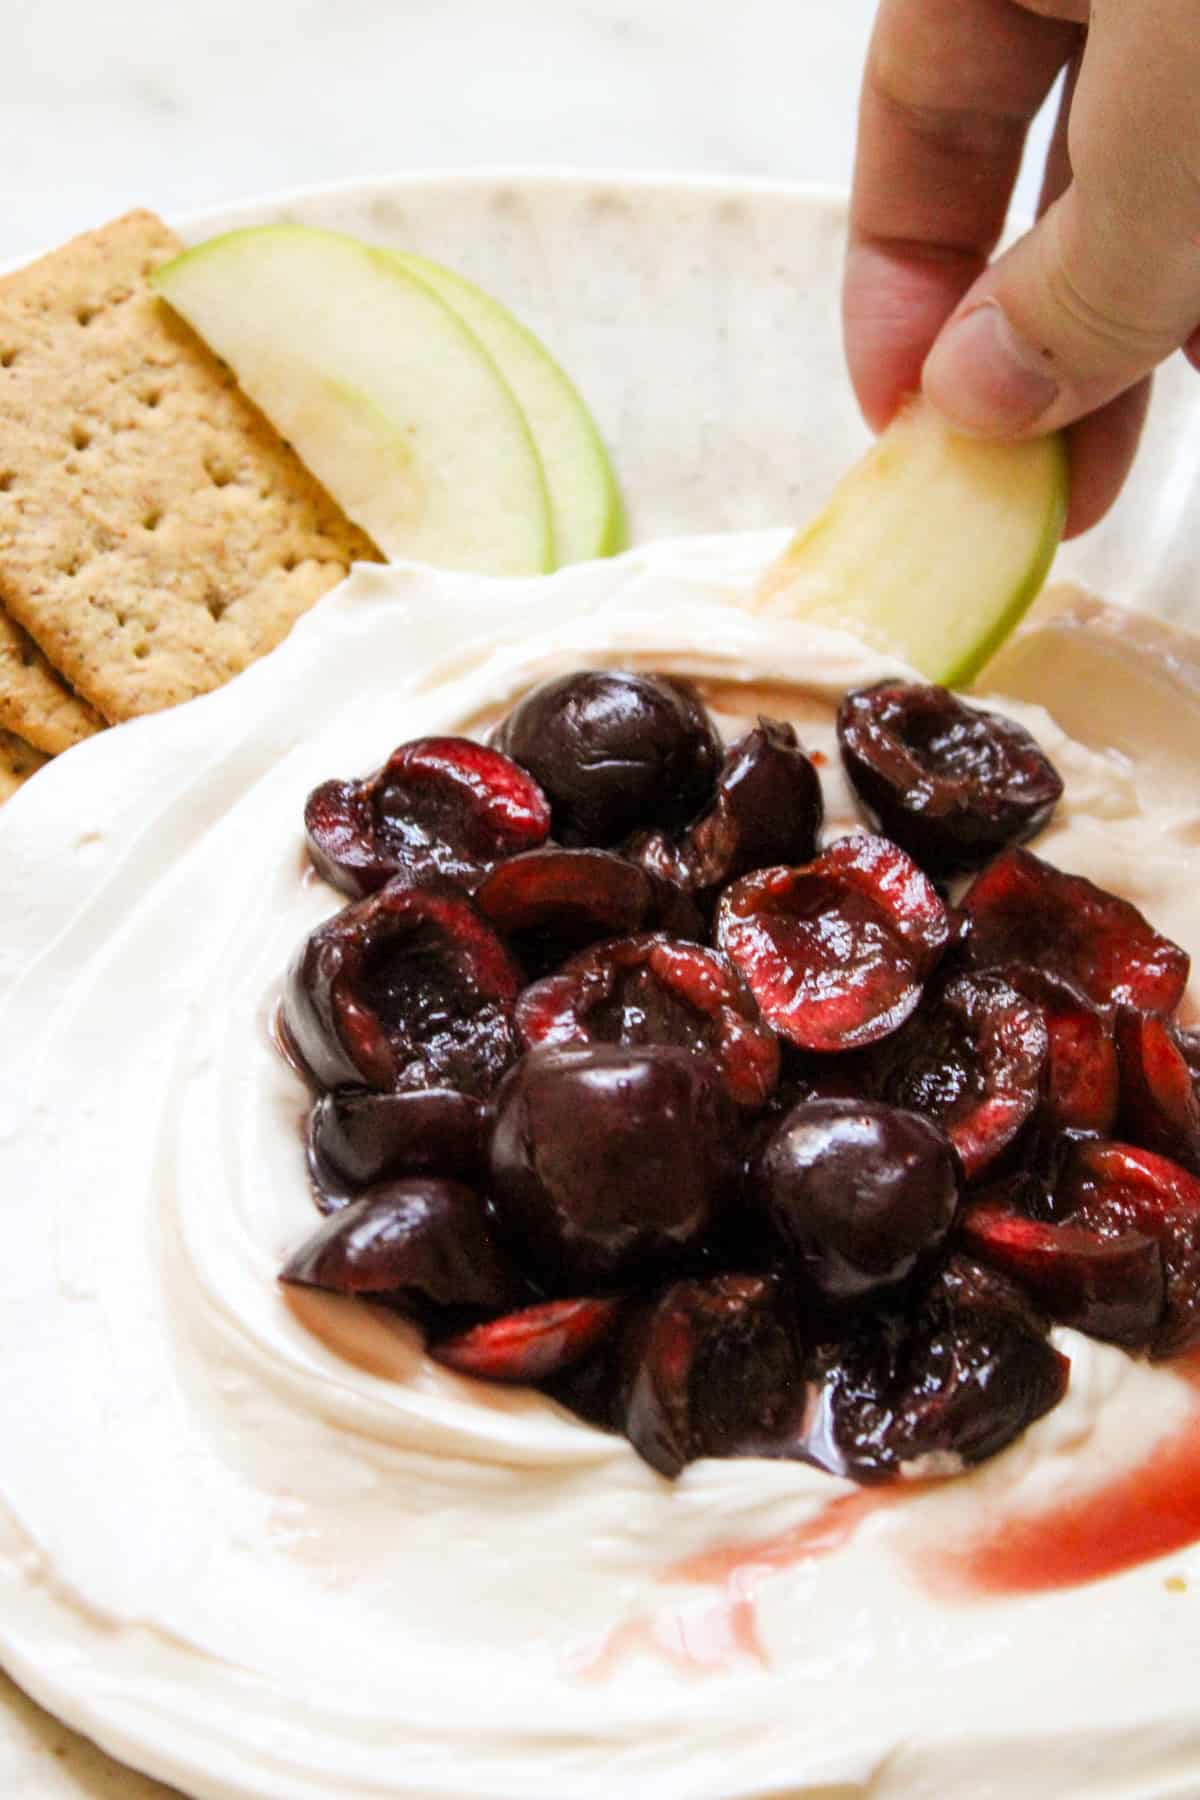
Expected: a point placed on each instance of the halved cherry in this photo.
(440, 808)
(1117, 1190)
(615, 751)
(835, 952)
(973, 1058)
(1093, 946)
(1159, 1107)
(715, 1369)
(357, 1136)
(950, 783)
(550, 903)
(767, 809)
(409, 988)
(1111, 1287)
(1082, 1081)
(534, 1344)
(952, 1381)
(652, 990)
(421, 1240)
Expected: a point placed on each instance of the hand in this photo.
(1064, 328)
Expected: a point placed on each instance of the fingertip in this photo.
(895, 300)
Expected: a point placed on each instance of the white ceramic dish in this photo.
(700, 320)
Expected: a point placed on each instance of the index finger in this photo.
(949, 92)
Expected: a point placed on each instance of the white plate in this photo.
(700, 320)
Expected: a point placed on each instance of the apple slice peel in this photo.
(931, 548)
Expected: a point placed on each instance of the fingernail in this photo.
(985, 379)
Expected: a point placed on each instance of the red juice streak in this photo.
(1143, 1513)
(710, 1638)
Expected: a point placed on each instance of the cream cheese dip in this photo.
(261, 1546)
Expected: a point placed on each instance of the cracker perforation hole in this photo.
(80, 437)
(85, 314)
(216, 607)
(152, 399)
(71, 563)
(152, 519)
(219, 473)
(7, 358)
(290, 564)
(7, 479)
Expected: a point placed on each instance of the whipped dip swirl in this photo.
(253, 1541)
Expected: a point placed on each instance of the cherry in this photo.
(1110, 1287)
(1090, 946)
(550, 903)
(835, 952)
(767, 809)
(948, 782)
(714, 1369)
(440, 807)
(1082, 1073)
(357, 1137)
(1116, 1190)
(855, 1192)
(651, 990)
(408, 988)
(973, 1058)
(607, 1161)
(614, 751)
(1159, 1108)
(419, 1240)
(531, 1345)
(950, 1383)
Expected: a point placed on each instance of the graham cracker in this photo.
(35, 702)
(18, 761)
(156, 533)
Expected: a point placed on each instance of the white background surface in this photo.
(106, 104)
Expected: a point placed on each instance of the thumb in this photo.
(1107, 284)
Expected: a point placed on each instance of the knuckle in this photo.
(1099, 321)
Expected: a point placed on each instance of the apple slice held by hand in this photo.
(930, 548)
(585, 501)
(381, 389)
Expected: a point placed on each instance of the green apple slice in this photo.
(585, 501)
(931, 547)
(381, 389)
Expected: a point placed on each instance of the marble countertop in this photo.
(180, 106)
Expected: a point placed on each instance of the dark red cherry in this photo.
(714, 1369)
(855, 1192)
(535, 1344)
(1159, 1108)
(440, 808)
(1116, 1190)
(767, 809)
(616, 752)
(1110, 1287)
(1090, 945)
(973, 1058)
(608, 1161)
(835, 953)
(1082, 1074)
(951, 1383)
(652, 990)
(409, 988)
(414, 1241)
(357, 1136)
(552, 903)
(950, 783)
